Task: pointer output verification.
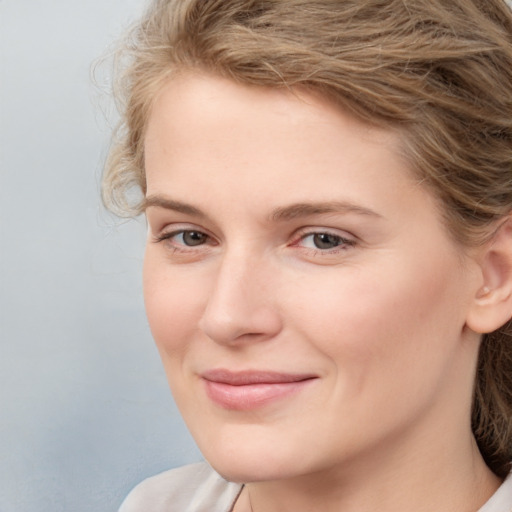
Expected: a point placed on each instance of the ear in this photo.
(492, 305)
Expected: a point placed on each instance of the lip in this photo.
(246, 390)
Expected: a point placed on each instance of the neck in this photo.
(443, 477)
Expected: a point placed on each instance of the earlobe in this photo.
(492, 305)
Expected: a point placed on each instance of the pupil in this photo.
(193, 238)
(325, 241)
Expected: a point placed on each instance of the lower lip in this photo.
(251, 396)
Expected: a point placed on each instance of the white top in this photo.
(192, 488)
(198, 488)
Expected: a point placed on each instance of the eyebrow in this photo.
(294, 211)
(280, 214)
(171, 204)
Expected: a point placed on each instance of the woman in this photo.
(328, 273)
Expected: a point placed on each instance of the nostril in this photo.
(240, 305)
(240, 326)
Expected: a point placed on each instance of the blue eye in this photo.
(191, 238)
(188, 238)
(184, 237)
(324, 241)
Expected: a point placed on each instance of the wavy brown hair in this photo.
(437, 71)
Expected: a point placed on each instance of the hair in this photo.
(437, 71)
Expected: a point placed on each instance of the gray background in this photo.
(85, 412)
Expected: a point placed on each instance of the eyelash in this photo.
(181, 247)
(342, 242)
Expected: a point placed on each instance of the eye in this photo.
(184, 238)
(324, 241)
(191, 238)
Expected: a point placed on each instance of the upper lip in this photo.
(248, 377)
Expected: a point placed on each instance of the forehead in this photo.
(237, 122)
(272, 146)
(211, 99)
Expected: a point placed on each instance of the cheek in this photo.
(390, 340)
(396, 319)
(173, 305)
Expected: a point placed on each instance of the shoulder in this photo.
(192, 488)
(501, 501)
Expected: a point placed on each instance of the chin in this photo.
(255, 457)
(240, 470)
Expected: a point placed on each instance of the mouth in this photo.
(247, 390)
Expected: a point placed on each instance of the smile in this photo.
(243, 391)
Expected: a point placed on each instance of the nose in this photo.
(241, 305)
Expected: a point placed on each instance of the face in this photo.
(307, 302)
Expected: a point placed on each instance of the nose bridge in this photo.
(234, 282)
(240, 303)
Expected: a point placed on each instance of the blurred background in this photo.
(85, 412)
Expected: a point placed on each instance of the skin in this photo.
(378, 314)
